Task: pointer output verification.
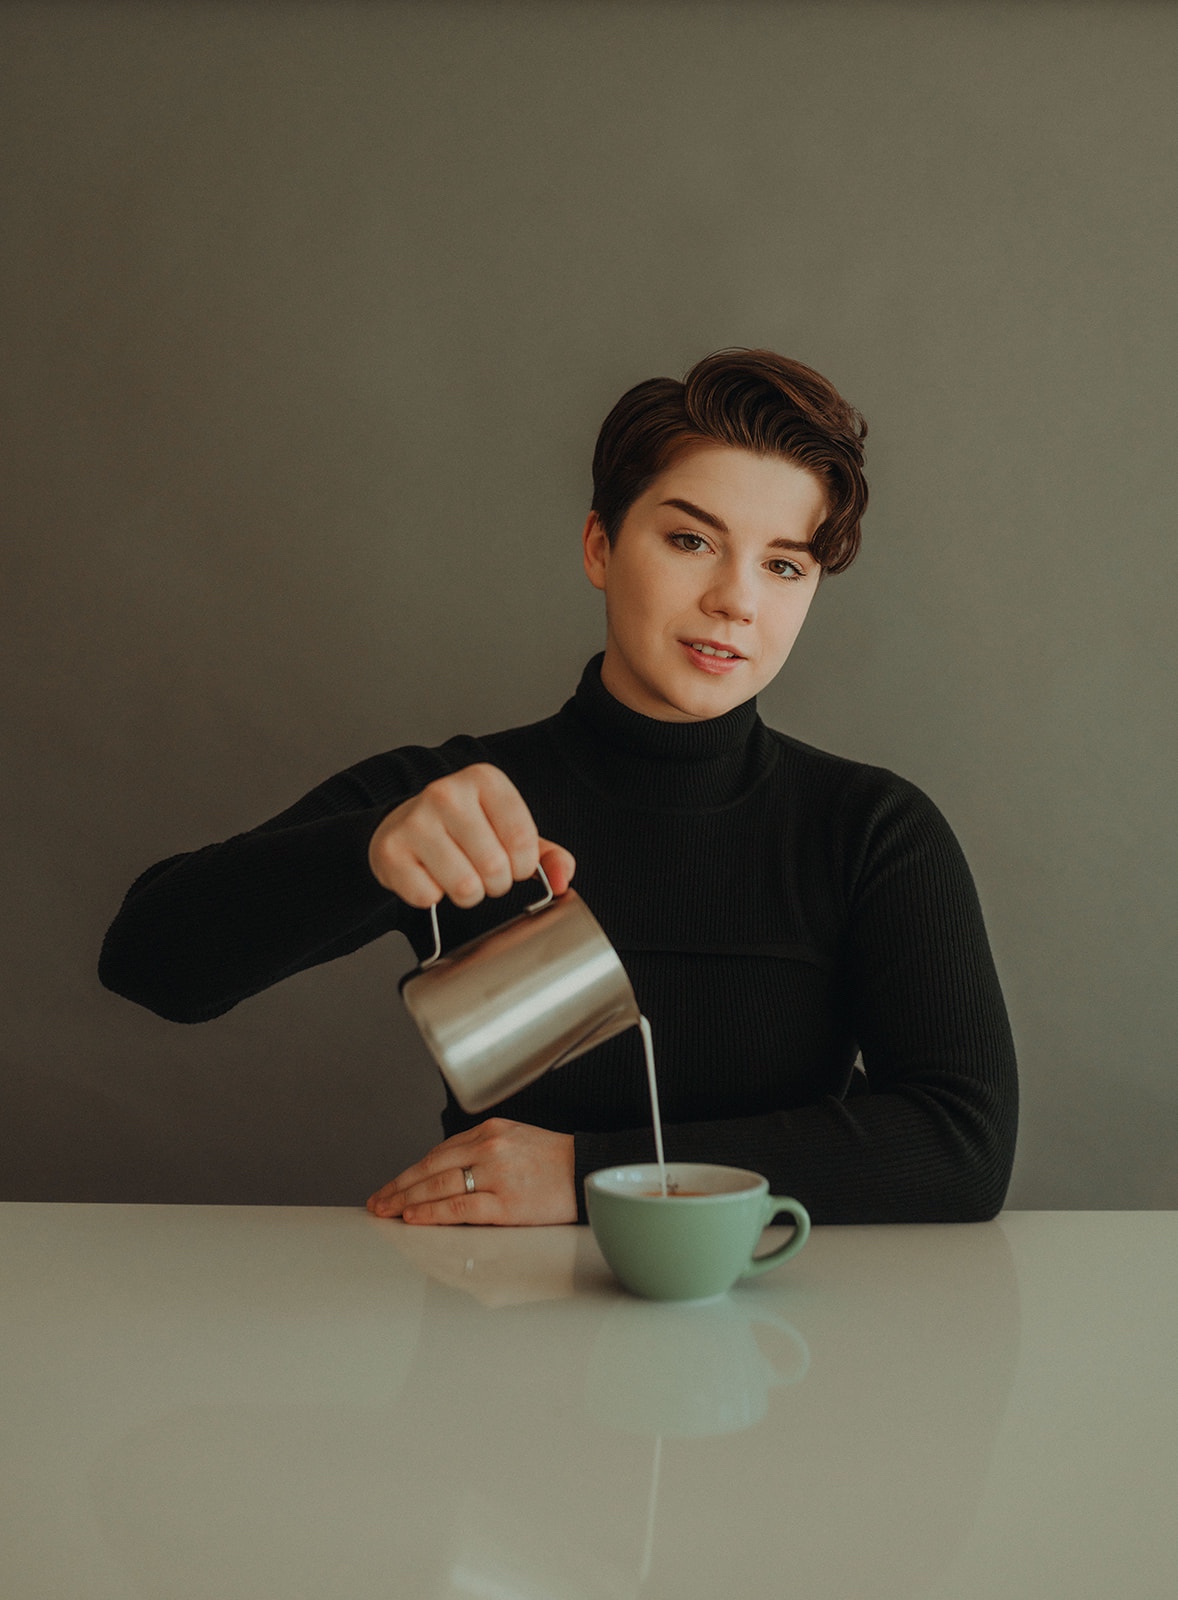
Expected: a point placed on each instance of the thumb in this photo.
(558, 864)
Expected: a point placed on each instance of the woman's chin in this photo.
(702, 702)
(680, 691)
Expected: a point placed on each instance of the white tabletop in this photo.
(308, 1403)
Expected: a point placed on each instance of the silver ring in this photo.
(468, 1179)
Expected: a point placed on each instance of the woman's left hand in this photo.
(522, 1175)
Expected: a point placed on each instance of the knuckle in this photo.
(495, 786)
(396, 816)
(491, 864)
(446, 799)
(478, 777)
(382, 849)
(521, 841)
(405, 823)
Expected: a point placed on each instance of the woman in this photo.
(780, 911)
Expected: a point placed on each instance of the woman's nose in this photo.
(731, 595)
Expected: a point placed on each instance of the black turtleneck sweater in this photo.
(777, 909)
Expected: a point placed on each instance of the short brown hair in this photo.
(754, 400)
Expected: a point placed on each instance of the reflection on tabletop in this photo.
(528, 1429)
(500, 1266)
(682, 1371)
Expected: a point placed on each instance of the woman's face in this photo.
(708, 583)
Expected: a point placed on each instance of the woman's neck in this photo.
(642, 761)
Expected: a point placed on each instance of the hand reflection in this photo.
(498, 1266)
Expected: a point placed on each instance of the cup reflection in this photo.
(690, 1372)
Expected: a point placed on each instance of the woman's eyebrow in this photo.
(699, 513)
(721, 526)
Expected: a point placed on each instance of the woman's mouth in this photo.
(711, 657)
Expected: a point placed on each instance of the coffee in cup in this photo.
(694, 1242)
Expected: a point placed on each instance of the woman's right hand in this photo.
(464, 836)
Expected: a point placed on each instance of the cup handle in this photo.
(537, 905)
(774, 1204)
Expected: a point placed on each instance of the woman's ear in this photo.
(596, 548)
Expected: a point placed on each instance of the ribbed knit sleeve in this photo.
(933, 1138)
(200, 932)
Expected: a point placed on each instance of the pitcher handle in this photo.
(537, 905)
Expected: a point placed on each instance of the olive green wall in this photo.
(313, 311)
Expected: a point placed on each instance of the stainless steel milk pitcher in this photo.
(505, 1008)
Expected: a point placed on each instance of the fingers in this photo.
(473, 1208)
(475, 829)
(438, 1175)
(558, 864)
(467, 863)
(522, 1175)
(443, 1198)
(406, 1191)
(511, 821)
(464, 836)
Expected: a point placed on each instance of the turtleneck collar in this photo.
(643, 762)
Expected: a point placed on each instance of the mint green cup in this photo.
(695, 1243)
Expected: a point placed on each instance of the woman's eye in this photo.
(785, 569)
(690, 542)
